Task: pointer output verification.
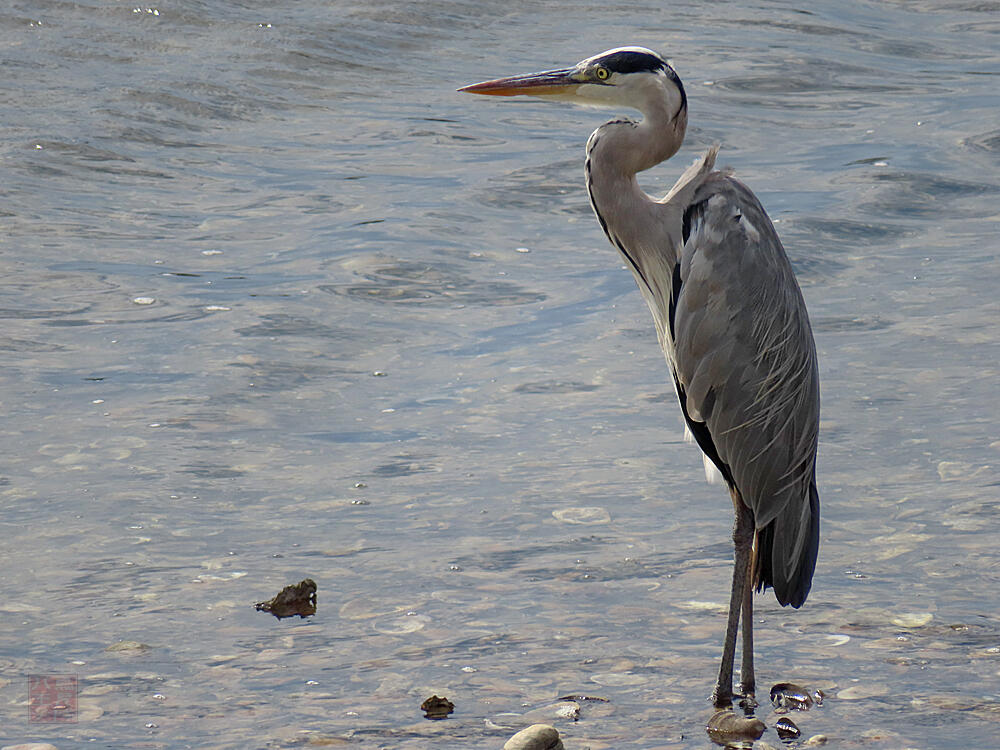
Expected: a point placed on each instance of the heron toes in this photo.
(748, 702)
(724, 699)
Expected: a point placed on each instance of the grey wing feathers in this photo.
(745, 367)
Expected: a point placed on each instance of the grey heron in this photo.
(729, 316)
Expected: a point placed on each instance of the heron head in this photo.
(633, 77)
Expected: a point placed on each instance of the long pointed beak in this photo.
(546, 83)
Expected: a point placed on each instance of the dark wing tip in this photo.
(790, 589)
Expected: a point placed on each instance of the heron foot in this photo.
(722, 698)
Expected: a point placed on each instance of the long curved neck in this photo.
(646, 232)
(628, 147)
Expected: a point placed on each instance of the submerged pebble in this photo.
(858, 692)
(912, 619)
(133, 647)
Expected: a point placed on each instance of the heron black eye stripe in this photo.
(628, 61)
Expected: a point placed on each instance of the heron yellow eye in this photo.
(602, 74)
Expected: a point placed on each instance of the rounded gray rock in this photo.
(535, 737)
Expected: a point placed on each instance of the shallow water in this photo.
(268, 315)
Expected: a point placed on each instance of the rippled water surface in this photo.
(279, 303)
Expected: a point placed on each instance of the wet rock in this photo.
(569, 711)
(535, 737)
(297, 599)
(816, 740)
(725, 727)
(437, 708)
(789, 696)
(786, 729)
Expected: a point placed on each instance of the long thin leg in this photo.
(742, 537)
(748, 684)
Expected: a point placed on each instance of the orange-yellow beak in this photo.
(547, 83)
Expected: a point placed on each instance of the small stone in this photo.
(297, 599)
(143, 300)
(786, 729)
(912, 619)
(816, 740)
(787, 695)
(535, 737)
(726, 727)
(568, 711)
(437, 707)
